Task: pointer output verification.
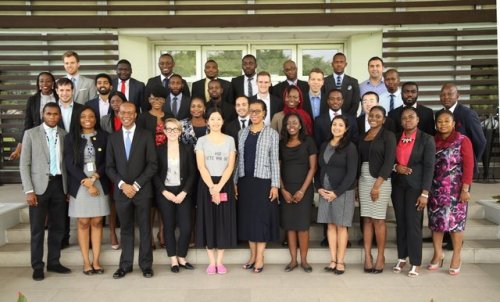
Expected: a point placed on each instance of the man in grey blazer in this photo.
(84, 87)
(44, 183)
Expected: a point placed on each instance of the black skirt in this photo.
(258, 217)
(215, 224)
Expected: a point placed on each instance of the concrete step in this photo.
(475, 229)
(474, 251)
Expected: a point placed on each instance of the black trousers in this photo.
(52, 203)
(176, 215)
(128, 211)
(408, 223)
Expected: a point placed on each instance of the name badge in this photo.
(90, 167)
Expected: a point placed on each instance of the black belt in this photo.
(55, 177)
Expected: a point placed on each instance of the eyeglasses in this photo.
(172, 130)
(256, 112)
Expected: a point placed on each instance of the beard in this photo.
(104, 90)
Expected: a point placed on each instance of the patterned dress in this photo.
(453, 156)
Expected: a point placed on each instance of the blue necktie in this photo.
(339, 82)
(391, 103)
(165, 83)
(52, 151)
(128, 144)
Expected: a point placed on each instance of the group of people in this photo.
(238, 160)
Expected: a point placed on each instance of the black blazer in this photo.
(183, 107)
(228, 111)
(467, 122)
(388, 125)
(136, 91)
(425, 116)
(322, 128)
(237, 86)
(350, 92)
(340, 169)
(140, 167)
(279, 89)
(198, 89)
(94, 104)
(382, 154)
(233, 127)
(276, 104)
(421, 162)
(148, 122)
(187, 167)
(32, 112)
(77, 107)
(75, 172)
(155, 81)
(323, 106)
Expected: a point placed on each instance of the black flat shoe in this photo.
(38, 274)
(148, 273)
(99, 271)
(377, 271)
(58, 268)
(89, 272)
(120, 273)
(368, 270)
(307, 269)
(249, 265)
(187, 266)
(330, 269)
(174, 269)
(337, 271)
(290, 268)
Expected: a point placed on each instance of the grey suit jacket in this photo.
(85, 90)
(34, 162)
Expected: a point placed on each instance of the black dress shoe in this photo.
(187, 265)
(38, 274)
(324, 242)
(58, 268)
(120, 273)
(173, 269)
(307, 269)
(147, 273)
(348, 243)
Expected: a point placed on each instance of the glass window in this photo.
(185, 62)
(271, 60)
(317, 56)
(229, 61)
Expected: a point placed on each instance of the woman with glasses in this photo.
(258, 179)
(173, 184)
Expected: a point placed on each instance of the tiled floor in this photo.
(476, 283)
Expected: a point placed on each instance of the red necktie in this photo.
(122, 88)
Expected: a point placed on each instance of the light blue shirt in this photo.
(385, 100)
(315, 104)
(368, 86)
(66, 113)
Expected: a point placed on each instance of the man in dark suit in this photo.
(166, 64)
(322, 124)
(466, 120)
(69, 115)
(44, 182)
(215, 90)
(200, 88)
(290, 71)
(273, 103)
(242, 121)
(409, 94)
(348, 85)
(133, 89)
(177, 104)
(246, 84)
(130, 164)
(315, 100)
(101, 104)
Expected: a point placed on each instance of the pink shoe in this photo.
(211, 270)
(221, 269)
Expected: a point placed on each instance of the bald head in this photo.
(449, 95)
